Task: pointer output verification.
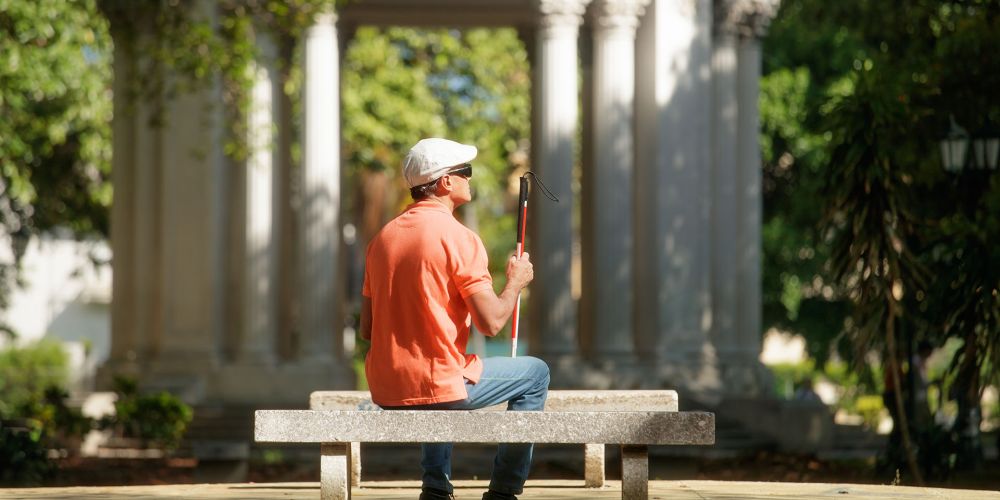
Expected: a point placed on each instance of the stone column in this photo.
(260, 266)
(736, 215)
(137, 319)
(192, 237)
(552, 328)
(724, 215)
(748, 261)
(672, 189)
(609, 212)
(148, 267)
(286, 212)
(124, 335)
(319, 230)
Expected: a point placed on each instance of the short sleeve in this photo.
(471, 272)
(366, 288)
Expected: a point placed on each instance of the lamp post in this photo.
(955, 148)
(986, 148)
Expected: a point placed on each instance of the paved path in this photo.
(537, 490)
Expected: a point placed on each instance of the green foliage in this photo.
(23, 456)
(854, 98)
(788, 375)
(804, 63)
(158, 419)
(65, 426)
(870, 408)
(55, 74)
(27, 372)
(387, 105)
(54, 82)
(853, 384)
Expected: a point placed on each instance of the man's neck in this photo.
(444, 200)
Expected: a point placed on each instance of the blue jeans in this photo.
(524, 384)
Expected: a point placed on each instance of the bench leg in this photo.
(334, 471)
(356, 464)
(593, 465)
(635, 472)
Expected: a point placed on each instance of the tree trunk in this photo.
(904, 427)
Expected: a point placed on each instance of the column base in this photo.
(564, 370)
(112, 368)
(611, 372)
(743, 375)
(279, 384)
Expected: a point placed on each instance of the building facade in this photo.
(227, 286)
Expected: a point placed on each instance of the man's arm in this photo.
(366, 318)
(490, 312)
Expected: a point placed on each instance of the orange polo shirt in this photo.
(419, 269)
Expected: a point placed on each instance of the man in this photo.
(425, 275)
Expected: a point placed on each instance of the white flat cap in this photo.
(431, 158)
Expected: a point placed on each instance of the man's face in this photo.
(462, 184)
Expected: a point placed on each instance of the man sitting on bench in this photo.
(425, 274)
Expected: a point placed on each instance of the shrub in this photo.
(23, 456)
(26, 372)
(65, 426)
(158, 419)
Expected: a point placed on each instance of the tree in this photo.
(55, 108)
(890, 241)
(855, 99)
(807, 58)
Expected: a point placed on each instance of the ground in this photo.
(392, 463)
(536, 490)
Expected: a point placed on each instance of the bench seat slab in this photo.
(646, 428)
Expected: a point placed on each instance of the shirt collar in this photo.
(429, 204)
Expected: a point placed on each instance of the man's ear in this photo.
(440, 189)
(446, 184)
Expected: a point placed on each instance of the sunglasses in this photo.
(464, 171)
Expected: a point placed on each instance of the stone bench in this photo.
(336, 430)
(558, 401)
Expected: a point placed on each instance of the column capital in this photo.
(618, 14)
(561, 13)
(745, 18)
(324, 21)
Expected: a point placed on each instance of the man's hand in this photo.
(491, 312)
(520, 272)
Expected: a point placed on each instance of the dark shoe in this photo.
(435, 494)
(495, 495)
